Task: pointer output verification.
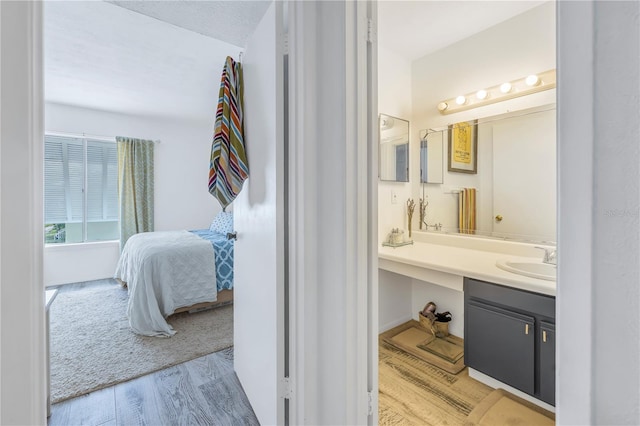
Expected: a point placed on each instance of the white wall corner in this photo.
(616, 212)
(22, 339)
(331, 216)
(574, 304)
(598, 375)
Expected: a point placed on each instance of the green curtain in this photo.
(135, 186)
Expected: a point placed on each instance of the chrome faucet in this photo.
(436, 226)
(549, 255)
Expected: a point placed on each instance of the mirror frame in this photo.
(424, 145)
(407, 145)
(526, 238)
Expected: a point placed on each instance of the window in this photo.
(80, 190)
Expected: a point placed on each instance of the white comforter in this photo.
(165, 271)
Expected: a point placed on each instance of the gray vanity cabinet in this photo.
(500, 343)
(509, 334)
(547, 361)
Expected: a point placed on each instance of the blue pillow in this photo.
(222, 223)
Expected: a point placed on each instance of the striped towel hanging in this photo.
(228, 168)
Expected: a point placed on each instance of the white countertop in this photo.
(462, 262)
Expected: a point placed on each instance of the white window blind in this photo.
(102, 181)
(80, 188)
(63, 179)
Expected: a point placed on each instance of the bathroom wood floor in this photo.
(204, 391)
(413, 392)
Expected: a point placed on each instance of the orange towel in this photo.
(467, 211)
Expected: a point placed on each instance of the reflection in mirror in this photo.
(431, 156)
(513, 195)
(524, 175)
(394, 149)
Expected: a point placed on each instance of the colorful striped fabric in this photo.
(229, 167)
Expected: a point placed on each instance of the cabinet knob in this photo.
(499, 218)
(526, 329)
(544, 336)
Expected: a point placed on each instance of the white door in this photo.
(259, 223)
(531, 141)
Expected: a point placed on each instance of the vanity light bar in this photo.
(512, 89)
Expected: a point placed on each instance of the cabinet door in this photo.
(548, 362)
(500, 343)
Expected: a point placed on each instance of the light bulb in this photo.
(505, 87)
(443, 106)
(532, 80)
(461, 100)
(481, 94)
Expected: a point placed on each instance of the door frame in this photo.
(313, 224)
(22, 315)
(26, 401)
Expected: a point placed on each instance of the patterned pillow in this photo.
(222, 223)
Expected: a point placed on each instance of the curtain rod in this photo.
(88, 136)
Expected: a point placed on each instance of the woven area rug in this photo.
(501, 408)
(416, 392)
(92, 346)
(413, 338)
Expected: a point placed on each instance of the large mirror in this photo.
(394, 149)
(513, 193)
(431, 156)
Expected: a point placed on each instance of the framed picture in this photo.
(463, 147)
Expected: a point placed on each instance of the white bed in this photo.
(165, 271)
(175, 271)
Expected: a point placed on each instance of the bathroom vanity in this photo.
(509, 335)
(509, 318)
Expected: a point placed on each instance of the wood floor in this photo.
(205, 391)
(413, 392)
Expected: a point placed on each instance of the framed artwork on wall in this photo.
(463, 147)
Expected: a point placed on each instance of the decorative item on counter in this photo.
(396, 236)
(423, 210)
(411, 205)
(437, 323)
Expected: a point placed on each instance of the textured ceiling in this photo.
(164, 58)
(229, 21)
(414, 29)
(101, 56)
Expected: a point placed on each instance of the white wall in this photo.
(512, 49)
(182, 200)
(394, 295)
(22, 314)
(515, 48)
(394, 98)
(598, 299)
(595, 386)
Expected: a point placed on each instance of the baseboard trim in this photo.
(490, 381)
(395, 323)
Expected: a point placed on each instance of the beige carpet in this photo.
(92, 346)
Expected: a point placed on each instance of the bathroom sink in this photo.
(543, 271)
